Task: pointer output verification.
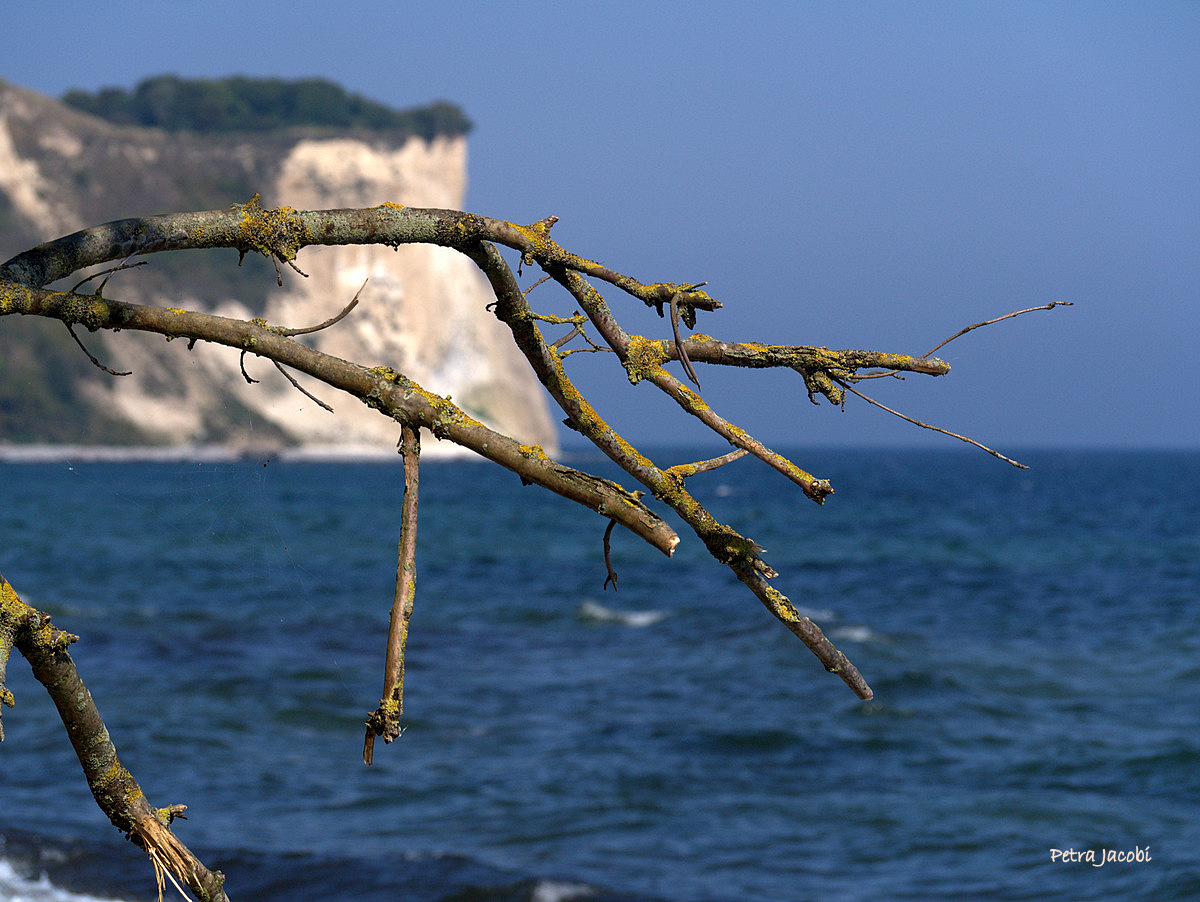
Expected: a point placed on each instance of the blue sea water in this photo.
(1031, 636)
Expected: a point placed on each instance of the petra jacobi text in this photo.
(1136, 855)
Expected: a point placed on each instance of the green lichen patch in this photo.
(278, 232)
(642, 357)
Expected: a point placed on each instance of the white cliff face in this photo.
(422, 312)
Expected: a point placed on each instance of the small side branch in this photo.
(296, 385)
(989, 322)
(683, 471)
(385, 721)
(679, 349)
(963, 438)
(612, 574)
(332, 321)
(90, 356)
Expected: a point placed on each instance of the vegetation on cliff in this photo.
(260, 104)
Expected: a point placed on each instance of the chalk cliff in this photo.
(422, 311)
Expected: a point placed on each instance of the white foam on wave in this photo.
(558, 891)
(855, 634)
(816, 613)
(594, 611)
(15, 888)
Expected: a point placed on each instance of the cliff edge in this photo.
(423, 311)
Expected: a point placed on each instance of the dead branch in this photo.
(683, 471)
(969, 441)
(385, 721)
(972, 327)
(90, 356)
(612, 574)
(333, 320)
(392, 393)
(280, 234)
(116, 791)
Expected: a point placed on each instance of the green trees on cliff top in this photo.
(259, 104)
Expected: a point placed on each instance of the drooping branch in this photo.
(740, 554)
(116, 791)
(385, 721)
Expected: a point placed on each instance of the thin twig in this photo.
(967, 329)
(329, 322)
(106, 273)
(612, 574)
(124, 264)
(96, 362)
(242, 364)
(300, 388)
(683, 357)
(566, 338)
(969, 441)
(686, 470)
(535, 285)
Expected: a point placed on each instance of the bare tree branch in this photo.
(974, 326)
(969, 441)
(280, 234)
(392, 393)
(385, 721)
(90, 356)
(116, 791)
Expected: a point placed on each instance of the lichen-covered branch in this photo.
(116, 791)
(385, 721)
(392, 393)
(280, 233)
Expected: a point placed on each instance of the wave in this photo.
(598, 613)
(15, 887)
(42, 869)
(859, 634)
(820, 614)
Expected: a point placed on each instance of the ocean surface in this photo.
(1032, 637)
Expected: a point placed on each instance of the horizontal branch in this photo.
(392, 393)
(281, 232)
(703, 349)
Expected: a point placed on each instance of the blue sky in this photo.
(872, 175)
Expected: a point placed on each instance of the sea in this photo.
(1032, 638)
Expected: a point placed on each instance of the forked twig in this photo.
(106, 273)
(124, 264)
